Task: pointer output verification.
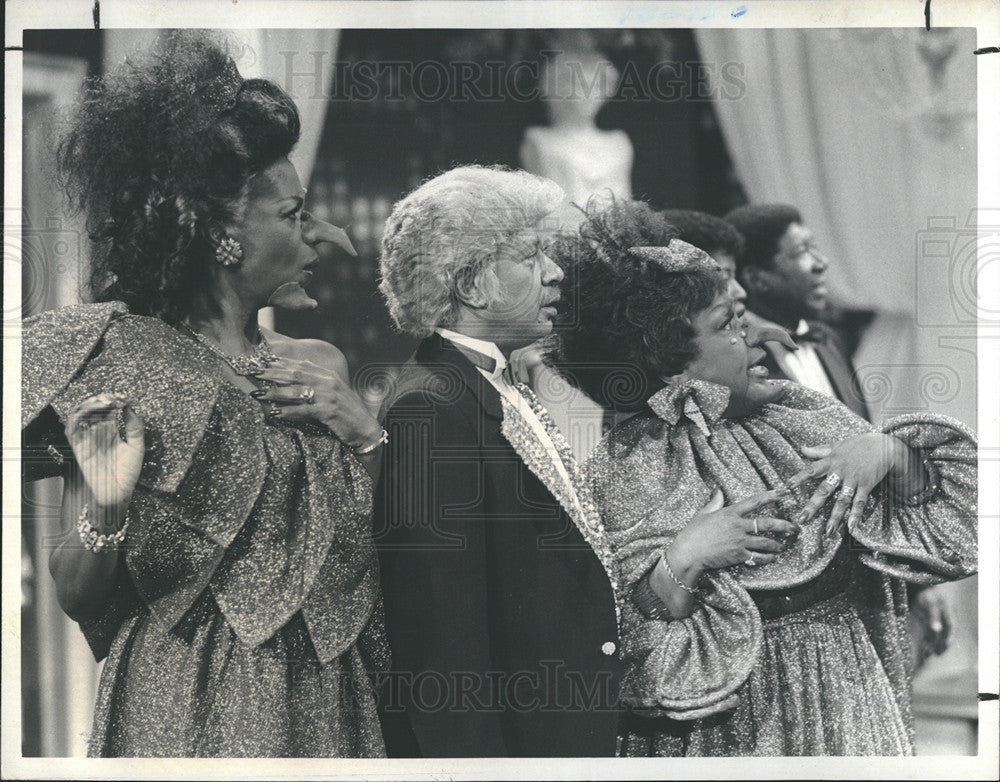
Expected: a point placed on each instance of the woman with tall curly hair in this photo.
(217, 475)
(760, 635)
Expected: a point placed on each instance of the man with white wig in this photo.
(498, 591)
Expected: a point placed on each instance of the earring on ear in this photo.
(228, 251)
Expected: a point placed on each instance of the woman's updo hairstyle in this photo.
(630, 318)
(159, 155)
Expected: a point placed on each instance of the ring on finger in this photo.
(308, 395)
(832, 479)
(750, 561)
(756, 530)
(847, 491)
(273, 411)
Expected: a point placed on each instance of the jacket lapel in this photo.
(841, 377)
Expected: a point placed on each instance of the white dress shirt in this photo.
(804, 367)
(499, 381)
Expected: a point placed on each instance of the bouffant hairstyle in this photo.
(706, 232)
(630, 324)
(160, 156)
(447, 234)
(762, 226)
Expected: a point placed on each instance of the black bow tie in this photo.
(814, 333)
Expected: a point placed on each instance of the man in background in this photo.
(784, 275)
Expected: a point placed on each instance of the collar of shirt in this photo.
(485, 349)
(802, 329)
(499, 380)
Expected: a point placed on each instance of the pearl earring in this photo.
(228, 251)
(733, 340)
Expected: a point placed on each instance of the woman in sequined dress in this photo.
(764, 635)
(218, 476)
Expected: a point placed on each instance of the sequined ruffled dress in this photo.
(807, 655)
(246, 616)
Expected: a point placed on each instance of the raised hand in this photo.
(109, 446)
(856, 465)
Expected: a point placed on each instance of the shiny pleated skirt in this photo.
(818, 689)
(196, 691)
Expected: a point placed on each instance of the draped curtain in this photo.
(301, 61)
(871, 133)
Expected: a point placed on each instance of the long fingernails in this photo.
(801, 519)
(258, 394)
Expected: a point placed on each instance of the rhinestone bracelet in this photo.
(691, 590)
(382, 440)
(94, 543)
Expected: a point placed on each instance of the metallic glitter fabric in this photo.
(829, 678)
(249, 611)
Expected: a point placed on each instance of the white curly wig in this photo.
(454, 226)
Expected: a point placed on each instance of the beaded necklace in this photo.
(244, 364)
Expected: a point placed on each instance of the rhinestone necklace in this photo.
(244, 364)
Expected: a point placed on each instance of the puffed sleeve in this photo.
(935, 538)
(690, 668)
(682, 668)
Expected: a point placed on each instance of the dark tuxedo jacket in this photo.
(839, 369)
(500, 617)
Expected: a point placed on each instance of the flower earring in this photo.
(228, 251)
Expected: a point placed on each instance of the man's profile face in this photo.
(796, 285)
(522, 304)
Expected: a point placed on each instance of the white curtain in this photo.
(67, 672)
(872, 134)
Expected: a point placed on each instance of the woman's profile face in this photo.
(277, 263)
(724, 358)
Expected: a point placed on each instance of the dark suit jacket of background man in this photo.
(839, 369)
(491, 592)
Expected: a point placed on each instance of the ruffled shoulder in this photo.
(167, 378)
(54, 345)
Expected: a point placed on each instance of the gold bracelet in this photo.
(94, 543)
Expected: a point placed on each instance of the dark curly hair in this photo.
(160, 154)
(630, 322)
(762, 226)
(706, 232)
